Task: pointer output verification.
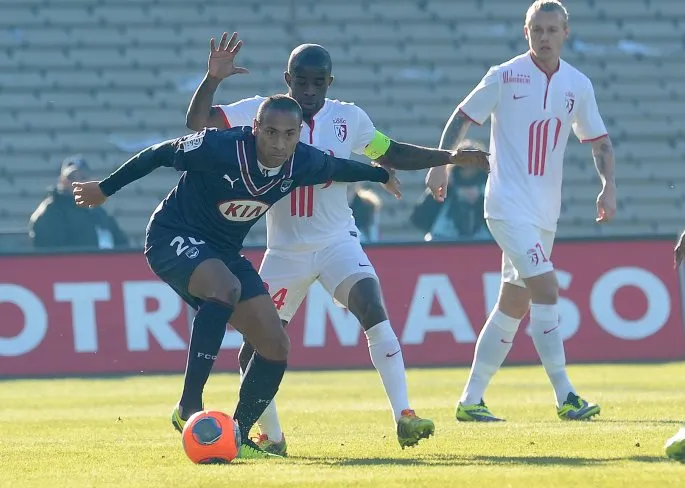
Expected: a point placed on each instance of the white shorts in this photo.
(289, 276)
(526, 250)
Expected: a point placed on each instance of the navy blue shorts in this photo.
(173, 256)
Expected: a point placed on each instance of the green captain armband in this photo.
(378, 146)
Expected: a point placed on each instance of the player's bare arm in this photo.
(454, 132)
(605, 162)
(408, 157)
(220, 65)
(403, 156)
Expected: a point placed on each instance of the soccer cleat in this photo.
(675, 446)
(475, 413)
(575, 408)
(273, 447)
(250, 450)
(177, 419)
(411, 429)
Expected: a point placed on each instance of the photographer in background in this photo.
(460, 217)
(58, 223)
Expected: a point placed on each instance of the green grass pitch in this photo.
(116, 432)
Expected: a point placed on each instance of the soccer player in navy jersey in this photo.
(194, 237)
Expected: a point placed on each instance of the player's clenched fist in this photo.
(220, 64)
(88, 194)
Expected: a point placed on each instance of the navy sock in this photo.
(209, 327)
(259, 387)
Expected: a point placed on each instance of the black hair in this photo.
(283, 103)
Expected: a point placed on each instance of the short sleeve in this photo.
(482, 101)
(241, 112)
(365, 131)
(198, 152)
(587, 123)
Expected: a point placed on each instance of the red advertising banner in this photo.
(107, 313)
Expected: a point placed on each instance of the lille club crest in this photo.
(340, 127)
(570, 102)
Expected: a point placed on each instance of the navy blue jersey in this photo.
(222, 193)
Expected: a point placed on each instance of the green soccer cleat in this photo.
(250, 450)
(575, 408)
(177, 419)
(475, 413)
(675, 446)
(273, 447)
(411, 429)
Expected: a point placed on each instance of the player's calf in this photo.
(219, 289)
(258, 321)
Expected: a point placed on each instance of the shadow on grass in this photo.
(455, 460)
(640, 421)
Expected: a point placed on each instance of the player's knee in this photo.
(373, 313)
(227, 290)
(366, 303)
(276, 346)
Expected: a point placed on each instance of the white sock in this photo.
(493, 345)
(268, 423)
(386, 356)
(544, 329)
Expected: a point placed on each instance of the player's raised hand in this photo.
(88, 194)
(606, 204)
(221, 59)
(474, 158)
(678, 251)
(393, 184)
(437, 180)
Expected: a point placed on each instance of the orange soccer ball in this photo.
(211, 437)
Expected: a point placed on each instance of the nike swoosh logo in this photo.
(388, 355)
(550, 330)
(363, 265)
(519, 97)
(506, 342)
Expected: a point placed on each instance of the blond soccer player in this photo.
(534, 101)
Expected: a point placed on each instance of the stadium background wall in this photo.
(92, 314)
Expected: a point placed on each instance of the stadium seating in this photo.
(105, 78)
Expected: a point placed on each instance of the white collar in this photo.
(267, 172)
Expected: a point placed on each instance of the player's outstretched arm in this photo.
(404, 156)
(220, 65)
(329, 168)
(605, 162)
(94, 193)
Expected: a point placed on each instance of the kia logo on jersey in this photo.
(242, 210)
(340, 127)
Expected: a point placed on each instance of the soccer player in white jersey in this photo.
(312, 236)
(533, 100)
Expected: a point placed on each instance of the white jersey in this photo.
(315, 216)
(532, 115)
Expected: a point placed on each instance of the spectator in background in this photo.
(366, 207)
(460, 217)
(59, 223)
